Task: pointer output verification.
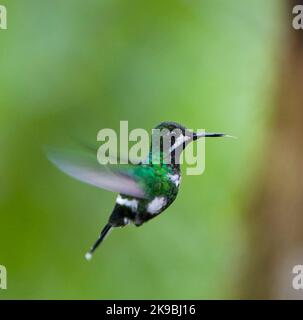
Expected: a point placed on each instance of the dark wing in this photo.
(85, 167)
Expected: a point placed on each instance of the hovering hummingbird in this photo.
(145, 190)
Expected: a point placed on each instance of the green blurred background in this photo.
(74, 67)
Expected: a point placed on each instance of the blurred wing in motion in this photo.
(85, 167)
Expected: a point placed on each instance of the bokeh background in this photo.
(72, 68)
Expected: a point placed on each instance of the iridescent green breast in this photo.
(156, 179)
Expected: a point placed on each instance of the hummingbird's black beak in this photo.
(209, 135)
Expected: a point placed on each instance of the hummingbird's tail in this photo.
(105, 231)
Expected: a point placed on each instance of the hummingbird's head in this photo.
(174, 137)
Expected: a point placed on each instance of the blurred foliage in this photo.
(73, 67)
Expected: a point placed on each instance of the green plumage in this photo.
(154, 178)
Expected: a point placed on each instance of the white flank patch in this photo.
(132, 204)
(156, 205)
(175, 178)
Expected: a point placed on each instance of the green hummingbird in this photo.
(145, 189)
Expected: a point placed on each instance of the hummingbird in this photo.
(146, 189)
